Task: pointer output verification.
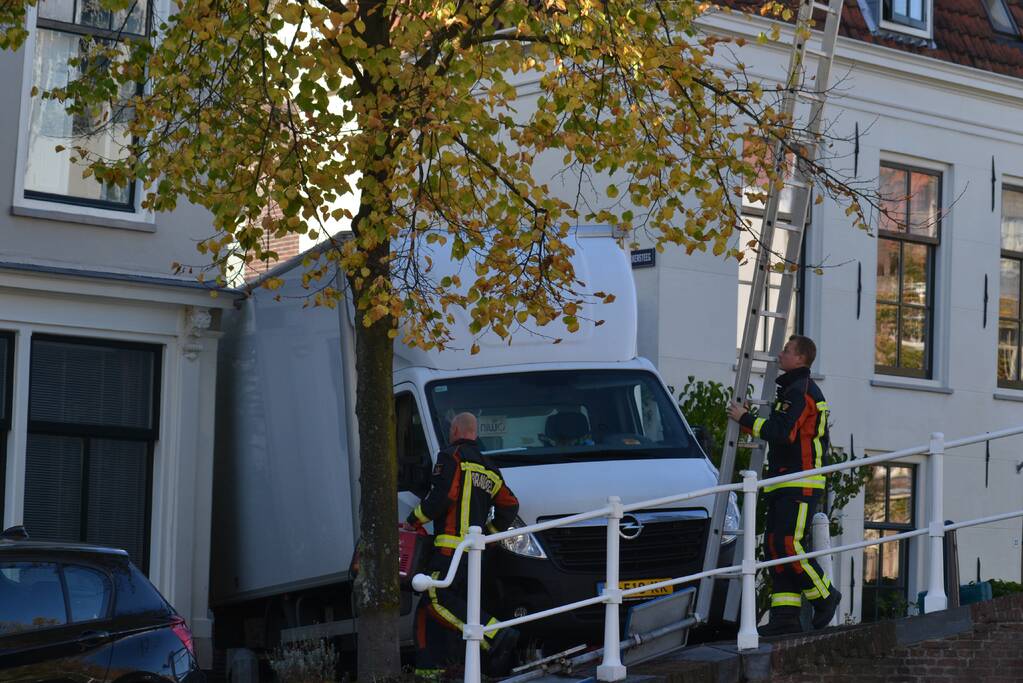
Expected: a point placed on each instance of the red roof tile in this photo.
(963, 34)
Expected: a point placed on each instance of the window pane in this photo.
(913, 344)
(58, 10)
(873, 496)
(888, 267)
(48, 170)
(118, 495)
(1000, 18)
(923, 203)
(53, 487)
(131, 20)
(900, 496)
(886, 335)
(899, 7)
(891, 561)
(91, 13)
(893, 199)
(914, 275)
(1008, 351)
(761, 155)
(94, 385)
(30, 597)
(1012, 219)
(916, 9)
(870, 555)
(1008, 297)
(89, 593)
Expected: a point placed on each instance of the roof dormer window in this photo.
(1001, 20)
(907, 16)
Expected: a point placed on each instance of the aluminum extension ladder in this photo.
(796, 88)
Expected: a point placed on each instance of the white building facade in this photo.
(107, 358)
(916, 324)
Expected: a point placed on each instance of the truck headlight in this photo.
(524, 544)
(733, 520)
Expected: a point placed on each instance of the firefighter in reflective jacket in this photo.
(797, 437)
(464, 488)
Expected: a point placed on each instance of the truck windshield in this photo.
(565, 416)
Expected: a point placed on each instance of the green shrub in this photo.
(1000, 588)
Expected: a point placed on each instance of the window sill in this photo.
(921, 385)
(86, 216)
(897, 27)
(1009, 395)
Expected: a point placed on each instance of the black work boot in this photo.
(824, 608)
(502, 652)
(783, 620)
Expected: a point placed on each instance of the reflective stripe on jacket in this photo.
(465, 485)
(796, 431)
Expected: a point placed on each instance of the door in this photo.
(54, 623)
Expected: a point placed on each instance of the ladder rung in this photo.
(820, 54)
(759, 402)
(788, 226)
(764, 356)
(823, 8)
(777, 315)
(809, 95)
(798, 184)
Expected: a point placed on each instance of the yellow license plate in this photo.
(642, 595)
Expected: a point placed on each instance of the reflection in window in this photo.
(65, 31)
(1009, 317)
(88, 593)
(888, 510)
(30, 597)
(909, 232)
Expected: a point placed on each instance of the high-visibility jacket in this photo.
(796, 431)
(465, 485)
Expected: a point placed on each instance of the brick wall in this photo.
(286, 247)
(991, 651)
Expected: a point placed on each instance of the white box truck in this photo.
(569, 424)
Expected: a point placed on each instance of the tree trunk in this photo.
(376, 588)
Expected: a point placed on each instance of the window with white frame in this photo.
(64, 31)
(752, 216)
(1010, 316)
(914, 14)
(908, 236)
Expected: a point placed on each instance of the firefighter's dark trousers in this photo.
(789, 515)
(439, 619)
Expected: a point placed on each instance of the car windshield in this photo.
(565, 416)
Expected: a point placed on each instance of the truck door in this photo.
(414, 461)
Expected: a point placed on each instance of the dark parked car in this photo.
(74, 613)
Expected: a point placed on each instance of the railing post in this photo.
(936, 599)
(472, 632)
(749, 638)
(611, 668)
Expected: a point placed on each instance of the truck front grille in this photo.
(675, 544)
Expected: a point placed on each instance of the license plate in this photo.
(643, 595)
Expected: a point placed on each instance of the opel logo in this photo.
(630, 527)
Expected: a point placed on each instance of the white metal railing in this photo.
(611, 667)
